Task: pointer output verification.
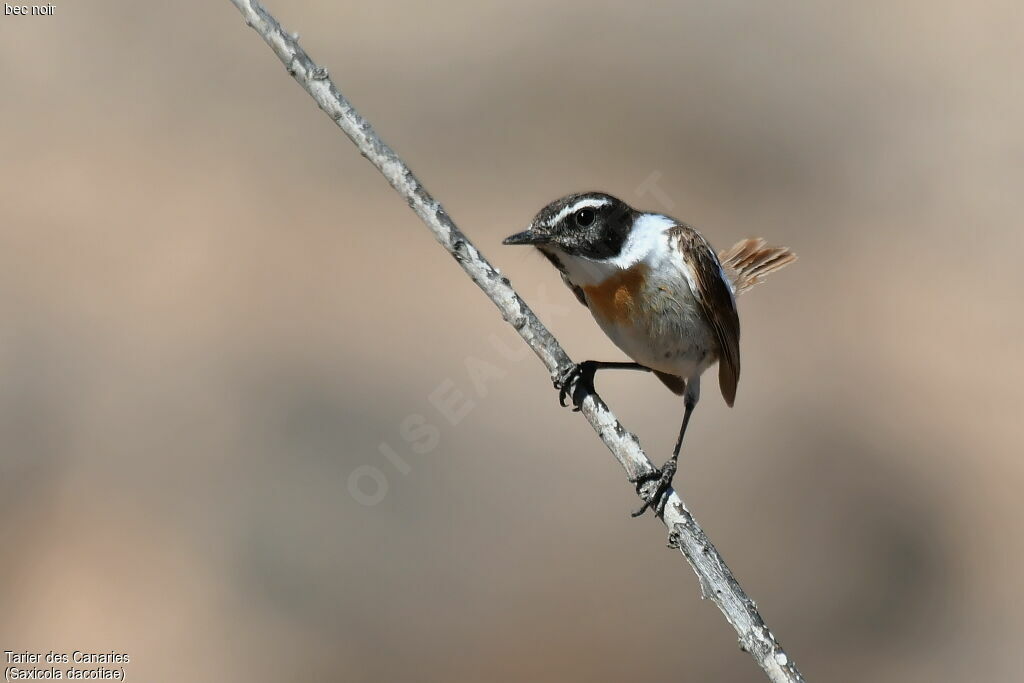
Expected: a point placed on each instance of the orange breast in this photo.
(619, 298)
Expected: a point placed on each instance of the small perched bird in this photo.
(660, 293)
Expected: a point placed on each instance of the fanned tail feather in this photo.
(750, 260)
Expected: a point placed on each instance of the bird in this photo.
(658, 290)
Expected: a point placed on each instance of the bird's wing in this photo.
(715, 300)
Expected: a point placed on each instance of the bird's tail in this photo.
(748, 261)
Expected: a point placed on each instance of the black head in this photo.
(593, 225)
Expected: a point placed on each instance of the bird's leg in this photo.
(659, 498)
(578, 379)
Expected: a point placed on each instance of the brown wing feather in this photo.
(717, 306)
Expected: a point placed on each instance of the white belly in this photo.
(659, 326)
(676, 346)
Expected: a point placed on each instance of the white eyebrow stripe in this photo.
(581, 204)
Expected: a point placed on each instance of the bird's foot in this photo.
(657, 500)
(577, 381)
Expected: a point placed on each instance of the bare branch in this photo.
(716, 581)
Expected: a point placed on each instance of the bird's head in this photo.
(589, 225)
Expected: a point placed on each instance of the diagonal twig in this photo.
(716, 580)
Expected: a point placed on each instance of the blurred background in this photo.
(256, 426)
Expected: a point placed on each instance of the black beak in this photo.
(527, 237)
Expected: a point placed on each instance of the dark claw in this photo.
(577, 381)
(565, 382)
(659, 499)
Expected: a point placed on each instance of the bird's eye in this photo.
(584, 217)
